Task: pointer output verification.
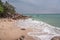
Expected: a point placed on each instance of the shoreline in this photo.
(9, 31)
(47, 29)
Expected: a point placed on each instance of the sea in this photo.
(52, 19)
(44, 26)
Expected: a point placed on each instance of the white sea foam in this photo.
(39, 27)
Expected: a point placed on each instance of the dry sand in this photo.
(9, 31)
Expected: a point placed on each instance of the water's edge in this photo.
(39, 25)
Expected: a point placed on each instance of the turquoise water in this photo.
(52, 19)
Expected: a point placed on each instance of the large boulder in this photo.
(56, 38)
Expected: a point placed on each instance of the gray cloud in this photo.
(36, 6)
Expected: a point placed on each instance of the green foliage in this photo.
(1, 2)
(1, 9)
(9, 8)
(6, 8)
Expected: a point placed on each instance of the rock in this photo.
(56, 38)
(19, 16)
(23, 29)
(14, 16)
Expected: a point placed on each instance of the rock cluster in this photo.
(14, 16)
(19, 16)
(56, 38)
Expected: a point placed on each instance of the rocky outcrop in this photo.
(56, 38)
(19, 16)
(15, 16)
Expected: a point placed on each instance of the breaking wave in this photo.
(41, 30)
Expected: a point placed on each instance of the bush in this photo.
(6, 9)
(1, 9)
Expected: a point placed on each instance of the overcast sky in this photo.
(36, 6)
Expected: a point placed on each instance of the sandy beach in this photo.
(9, 31)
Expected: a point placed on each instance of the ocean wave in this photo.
(39, 27)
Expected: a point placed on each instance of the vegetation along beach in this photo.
(18, 26)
